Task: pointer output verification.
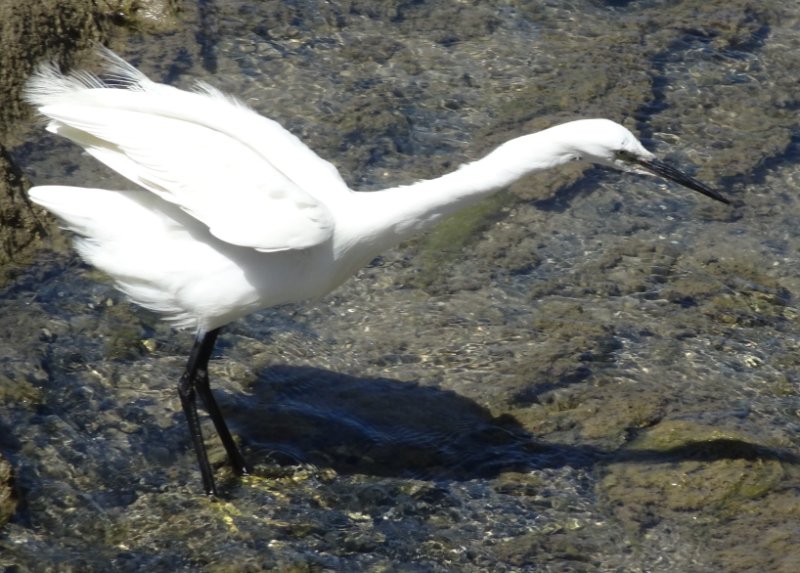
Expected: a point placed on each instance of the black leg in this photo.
(193, 382)
(186, 390)
(235, 457)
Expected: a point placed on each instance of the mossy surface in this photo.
(592, 371)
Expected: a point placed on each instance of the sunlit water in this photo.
(591, 373)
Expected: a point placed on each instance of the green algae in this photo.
(679, 466)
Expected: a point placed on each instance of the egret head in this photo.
(605, 142)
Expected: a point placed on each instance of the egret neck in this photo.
(390, 216)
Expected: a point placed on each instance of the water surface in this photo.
(590, 372)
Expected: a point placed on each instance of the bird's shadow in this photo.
(390, 428)
(380, 426)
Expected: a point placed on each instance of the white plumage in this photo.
(233, 213)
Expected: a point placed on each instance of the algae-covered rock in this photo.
(22, 226)
(31, 31)
(701, 478)
(8, 502)
(680, 466)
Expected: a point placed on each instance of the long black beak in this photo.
(668, 172)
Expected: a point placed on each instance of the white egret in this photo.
(234, 214)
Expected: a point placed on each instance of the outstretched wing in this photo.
(249, 180)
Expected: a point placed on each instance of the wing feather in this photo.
(249, 180)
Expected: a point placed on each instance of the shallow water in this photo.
(591, 372)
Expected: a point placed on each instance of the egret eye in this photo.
(623, 155)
